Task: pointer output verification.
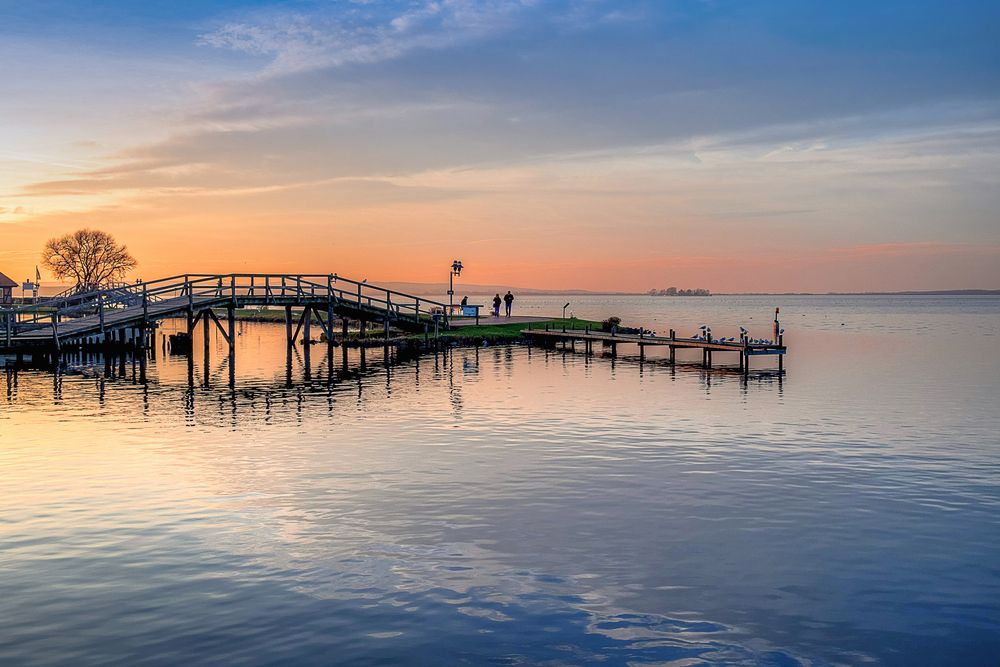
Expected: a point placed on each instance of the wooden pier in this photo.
(744, 347)
(129, 314)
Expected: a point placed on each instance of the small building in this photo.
(6, 289)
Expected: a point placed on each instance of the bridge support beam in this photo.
(306, 335)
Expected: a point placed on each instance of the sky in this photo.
(735, 145)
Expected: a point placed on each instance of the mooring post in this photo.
(205, 330)
(329, 326)
(781, 355)
(231, 315)
(142, 355)
(288, 325)
(343, 328)
(55, 330)
(122, 350)
(306, 342)
(386, 324)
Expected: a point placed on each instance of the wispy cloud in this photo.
(365, 32)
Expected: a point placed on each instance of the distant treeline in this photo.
(673, 291)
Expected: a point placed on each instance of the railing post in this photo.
(190, 292)
(100, 309)
(145, 303)
(232, 287)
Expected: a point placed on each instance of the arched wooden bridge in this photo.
(97, 316)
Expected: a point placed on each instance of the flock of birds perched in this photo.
(705, 333)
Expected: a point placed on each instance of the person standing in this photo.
(496, 305)
(508, 300)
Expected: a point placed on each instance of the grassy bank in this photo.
(491, 332)
(510, 332)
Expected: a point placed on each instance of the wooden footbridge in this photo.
(130, 313)
(744, 346)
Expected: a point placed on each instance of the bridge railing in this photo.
(236, 288)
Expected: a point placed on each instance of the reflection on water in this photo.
(505, 505)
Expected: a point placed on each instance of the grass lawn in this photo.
(496, 332)
(513, 331)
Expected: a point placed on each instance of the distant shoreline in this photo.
(953, 292)
(965, 292)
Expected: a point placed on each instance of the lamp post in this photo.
(564, 310)
(456, 270)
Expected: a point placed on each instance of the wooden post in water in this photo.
(207, 334)
(329, 322)
(288, 325)
(231, 316)
(781, 357)
(306, 342)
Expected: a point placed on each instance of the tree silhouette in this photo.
(90, 257)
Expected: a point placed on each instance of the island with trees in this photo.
(673, 291)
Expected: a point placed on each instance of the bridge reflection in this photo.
(210, 388)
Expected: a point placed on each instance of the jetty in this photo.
(744, 346)
(124, 318)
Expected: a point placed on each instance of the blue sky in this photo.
(847, 145)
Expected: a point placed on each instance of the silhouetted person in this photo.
(508, 300)
(465, 301)
(496, 305)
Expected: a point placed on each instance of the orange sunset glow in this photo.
(599, 149)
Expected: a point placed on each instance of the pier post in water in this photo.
(306, 336)
(207, 334)
(231, 316)
(288, 325)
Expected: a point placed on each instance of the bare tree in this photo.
(90, 257)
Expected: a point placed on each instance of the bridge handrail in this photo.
(231, 285)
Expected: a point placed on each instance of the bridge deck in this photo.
(647, 340)
(133, 306)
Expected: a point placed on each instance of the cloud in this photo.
(915, 249)
(364, 33)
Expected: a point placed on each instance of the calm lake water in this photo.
(520, 506)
